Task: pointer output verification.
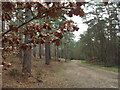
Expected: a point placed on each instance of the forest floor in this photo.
(71, 74)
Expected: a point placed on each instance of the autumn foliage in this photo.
(11, 10)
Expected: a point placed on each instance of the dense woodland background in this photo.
(35, 29)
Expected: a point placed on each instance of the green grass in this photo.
(100, 65)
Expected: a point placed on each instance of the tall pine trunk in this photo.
(34, 51)
(27, 60)
(3, 28)
(47, 53)
(40, 50)
(65, 50)
(55, 52)
(40, 56)
(47, 49)
(27, 54)
(20, 55)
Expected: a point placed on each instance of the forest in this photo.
(38, 47)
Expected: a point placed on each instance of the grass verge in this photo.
(100, 65)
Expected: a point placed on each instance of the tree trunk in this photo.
(55, 52)
(47, 48)
(34, 51)
(65, 48)
(27, 59)
(27, 54)
(40, 51)
(20, 35)
(47, 53)
(3, 28)
(20, 51)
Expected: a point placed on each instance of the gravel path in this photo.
(82, 76)
(72, 74)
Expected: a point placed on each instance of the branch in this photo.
(19, 26)
(34, 18)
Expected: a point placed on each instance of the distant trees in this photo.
(67, 46)
(100, 40)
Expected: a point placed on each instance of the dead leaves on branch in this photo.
(58, 34)
(6, 17)
(47, 26)
(25, 47)
(54, 13)
(56, 41)
(80, 3)
(35, 30)
(51, 9)
(8, 6)
(75, 28)
(77, 11)
(105, 2)
(13, 28)
(36, 34)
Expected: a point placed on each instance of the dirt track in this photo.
(72, 74)
(82, 76)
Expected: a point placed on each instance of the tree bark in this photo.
(40, 51)
(20, 35)
(27, 54)
(55, 52)
(27, 59)
(47, 48)
(3, 28)
(47, 53)
(65, 48)
(34, 51)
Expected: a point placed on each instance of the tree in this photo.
(34, 33)
(100, 38)
(27, 54)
